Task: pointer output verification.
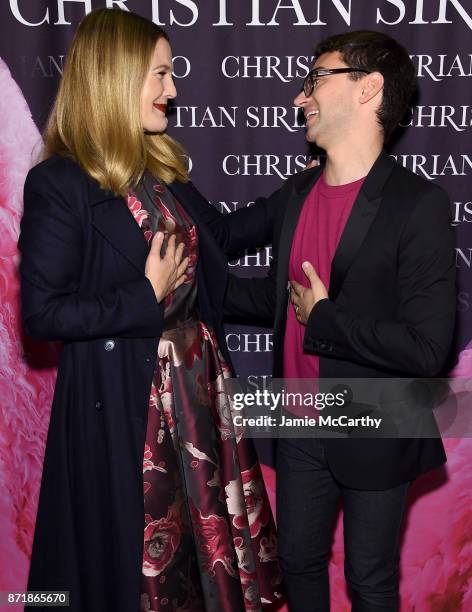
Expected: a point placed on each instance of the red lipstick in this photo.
(161, 107)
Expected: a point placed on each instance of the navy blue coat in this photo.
(83, 282)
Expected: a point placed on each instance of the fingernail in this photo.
(305, 264)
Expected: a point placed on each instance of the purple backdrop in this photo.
(238, 65)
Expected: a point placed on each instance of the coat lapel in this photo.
(111, 217)
(302, 185)
(359, 222)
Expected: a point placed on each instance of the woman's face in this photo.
(158, 88)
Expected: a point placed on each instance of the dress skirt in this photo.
(209, 538)
(209, 534)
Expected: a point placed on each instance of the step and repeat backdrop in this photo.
(238, 66)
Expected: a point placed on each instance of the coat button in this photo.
(109, 345)
(98, 405)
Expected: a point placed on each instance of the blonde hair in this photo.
(96, 118)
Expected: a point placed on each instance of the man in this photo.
(368, 249)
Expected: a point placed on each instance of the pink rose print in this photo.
(225, 369)
(167, 405)
(224, 416)
(254, 501)
(165, 395)
(257, 509)
(148, 464)
(193, 352)
(136, 209)
(167, 401)
(166, 214)
(245, 557)
(161, 540)
(213, 540)
(268, 549)
(145, 603)
(204, 391)
(250, 591)
(192, 249)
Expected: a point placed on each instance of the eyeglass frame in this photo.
(325, 72)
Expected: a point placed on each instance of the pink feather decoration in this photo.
(25, 392)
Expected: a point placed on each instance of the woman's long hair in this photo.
(96, 118)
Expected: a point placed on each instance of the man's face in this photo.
(330, 109)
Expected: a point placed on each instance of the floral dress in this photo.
(209, 535)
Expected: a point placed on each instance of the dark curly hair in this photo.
(375, 51)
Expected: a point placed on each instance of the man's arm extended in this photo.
(251, 300)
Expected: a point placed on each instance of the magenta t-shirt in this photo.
(319, 228)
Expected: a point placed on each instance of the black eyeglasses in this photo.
(311, 79)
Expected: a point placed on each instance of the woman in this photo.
(141, 446)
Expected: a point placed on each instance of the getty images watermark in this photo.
(292, 400)
(371, 408)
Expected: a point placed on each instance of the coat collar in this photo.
(377, 176)
(302, 184)
(97, 194)
(111, 217)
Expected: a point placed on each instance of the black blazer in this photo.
(83, 282)
(391, 306)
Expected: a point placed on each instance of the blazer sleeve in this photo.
(52, 252)
(418, 341)
(251, 300)
(246, 228)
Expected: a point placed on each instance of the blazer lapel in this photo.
(112, 218)
(363, 213)
(302, 185)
